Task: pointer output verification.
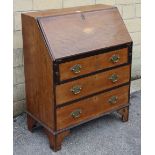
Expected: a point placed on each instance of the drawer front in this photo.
(93, 63)
(92, 107)
(91, 84)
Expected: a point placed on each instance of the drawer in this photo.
(93, 63)
(85, 86)
(92, 107)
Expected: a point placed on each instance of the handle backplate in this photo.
(76, 113)
(115, 58)
(113, 78)
(76, 68)
(76, 89)
(113, 100)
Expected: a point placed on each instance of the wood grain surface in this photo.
(77, 33)
(56, 140)
(91, 84)
(56, 40)
(91, 107)
(92, 63)
(38, 67)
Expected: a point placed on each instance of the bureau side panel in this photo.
(38, 66)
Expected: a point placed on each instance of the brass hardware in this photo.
(76, 89)
(76, 68)
(115, 58)
(76, 113)
(113, 100)
(114, 78)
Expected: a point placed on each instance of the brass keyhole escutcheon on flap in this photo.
(115, 58)
(114, 78)
(76, 113)
(76, 68)
(76, 89)
(113, 100)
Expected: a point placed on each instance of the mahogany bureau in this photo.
(77, 67)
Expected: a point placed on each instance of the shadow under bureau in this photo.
(77, 65)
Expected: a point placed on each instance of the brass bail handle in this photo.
(76, 68)
(113, 100)
(76, 113)
(114, 78)
(115, 58)
(76, 89)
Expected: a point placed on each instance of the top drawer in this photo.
(93, 63)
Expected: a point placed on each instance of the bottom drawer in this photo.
(91, 107)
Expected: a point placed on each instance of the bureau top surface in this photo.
(81, 30)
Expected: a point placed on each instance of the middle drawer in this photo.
(94, 63)
(85, 86)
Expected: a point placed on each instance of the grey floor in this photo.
(103, 136)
